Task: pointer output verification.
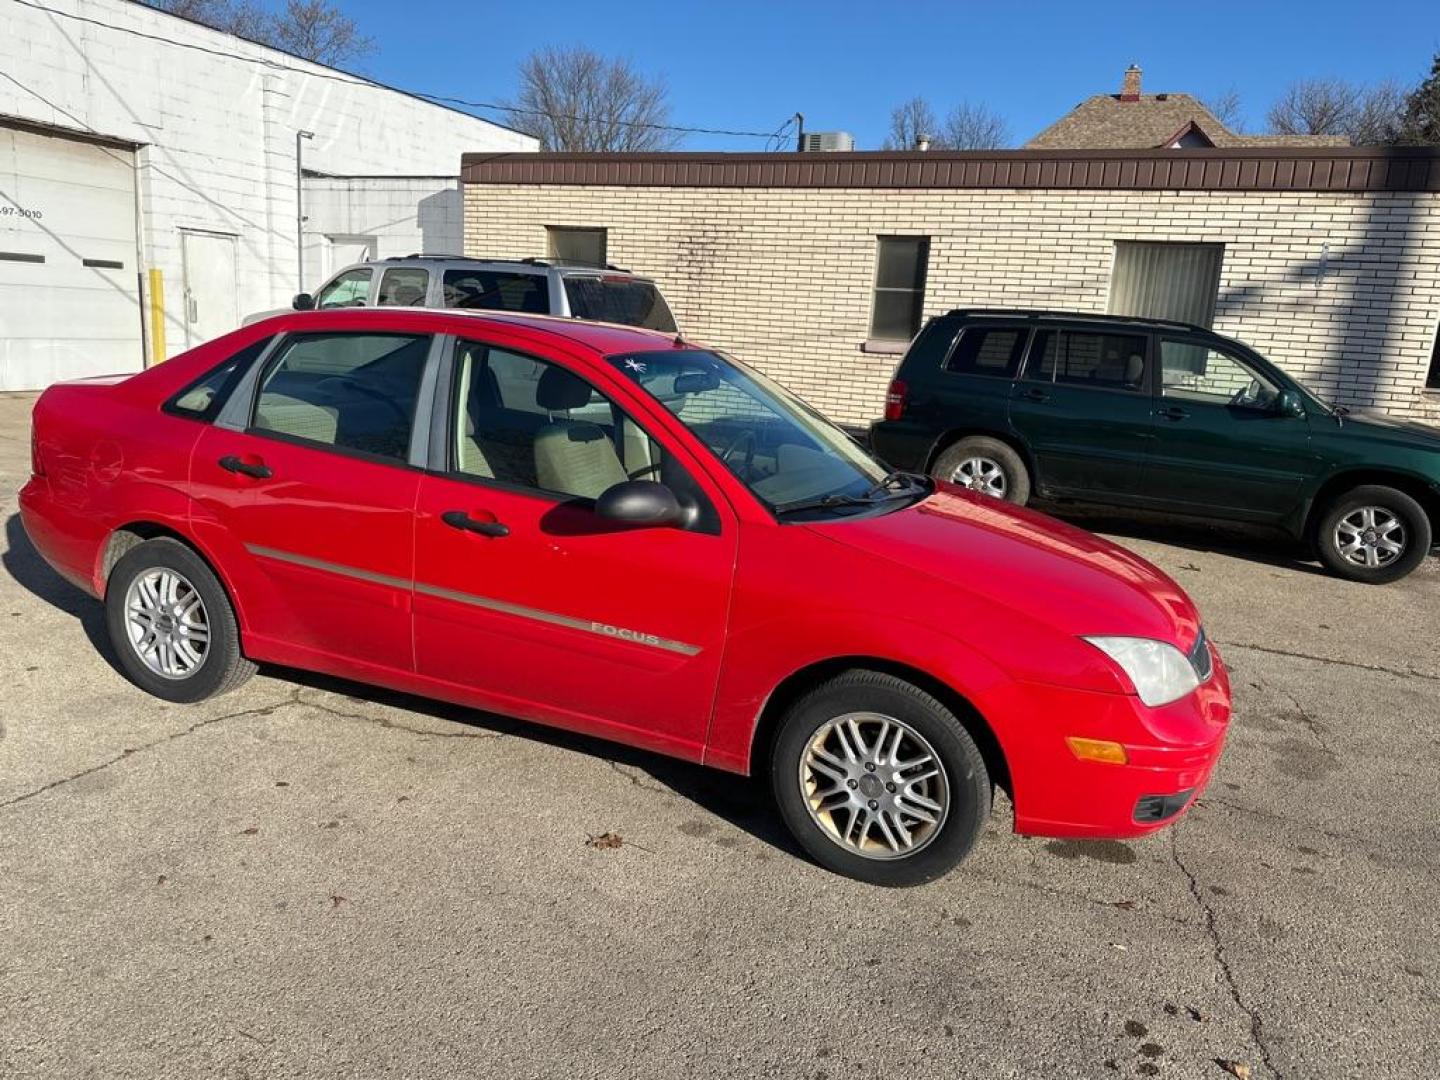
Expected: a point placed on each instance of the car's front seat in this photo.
(573, 457)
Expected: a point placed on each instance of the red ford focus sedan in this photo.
(617, 532)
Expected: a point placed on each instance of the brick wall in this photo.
(1341, 289)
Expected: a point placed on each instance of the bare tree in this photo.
(1225, 107)
(577, 100)
(1364, 115)
(908, 122)
(975, 127)
(310, 29)
(318, 31)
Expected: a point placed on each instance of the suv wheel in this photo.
(879, 781)
(986, 465)
(171, 624)
(1373, 534)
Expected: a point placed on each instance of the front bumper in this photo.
(1170, 753)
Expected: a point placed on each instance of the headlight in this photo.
(1158, 670)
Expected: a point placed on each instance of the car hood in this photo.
(1027, 563)
(1375, 422)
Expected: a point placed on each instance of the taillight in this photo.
(36, 468)
(895, 399)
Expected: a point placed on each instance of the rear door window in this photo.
(988, 350)
(403, 286)
(496, 290)
(618, 299)
(350, 289)
(1088, 358)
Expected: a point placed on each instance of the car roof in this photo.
(1078, 316)
(522, 266)
(604, 338)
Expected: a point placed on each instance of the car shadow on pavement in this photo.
(24, 564)
(1257, 544)
(742, 801)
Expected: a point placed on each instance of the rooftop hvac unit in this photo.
(827, 141)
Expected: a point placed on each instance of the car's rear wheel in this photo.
(1373, 534)
(878, 780)
(985, 465)
(172, 625)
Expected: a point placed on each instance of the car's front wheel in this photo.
(1373, 534)
(172, 625)
(878, 780)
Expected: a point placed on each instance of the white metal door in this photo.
(211, 307)
(342, 251)
(69, 286)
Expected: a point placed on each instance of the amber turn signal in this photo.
(1097, 750)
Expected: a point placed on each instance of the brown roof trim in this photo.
(1223, 169)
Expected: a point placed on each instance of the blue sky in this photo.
(844, 65)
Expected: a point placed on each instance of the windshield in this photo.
(618, 299)
(789, 455)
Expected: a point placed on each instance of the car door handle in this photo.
(1032, 394)
(459, 519)
(259, 470)
(1174, 412)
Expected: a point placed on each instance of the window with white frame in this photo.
(1163, 280)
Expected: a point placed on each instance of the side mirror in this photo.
(640, 502)
(1289, 403)
(303, 302)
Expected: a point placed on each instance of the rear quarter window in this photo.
(988, 350)
(611, 298)
(492, 290)
(203, 398)
(927, 352)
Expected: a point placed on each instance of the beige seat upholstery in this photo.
(292, 416)
(471, 456)
(573, 457)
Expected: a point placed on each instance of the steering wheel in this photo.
(352, 387)
(1247, 396)
(746, 439)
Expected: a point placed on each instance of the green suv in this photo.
(1165, 416)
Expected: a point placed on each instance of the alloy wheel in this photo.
(166, 623)
(874, 785)
(1370, 536)
(980, 474)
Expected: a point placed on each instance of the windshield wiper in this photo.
(824, 502)
(896, 476)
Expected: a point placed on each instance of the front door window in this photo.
(1191, 371)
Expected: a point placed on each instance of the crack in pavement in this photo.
(1068, 894)
(129, 752)
(1404, 673)
(1310, 722)
(616, 767)
(1212, 931)
(385, 722)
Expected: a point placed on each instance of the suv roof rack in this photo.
(1077, 316)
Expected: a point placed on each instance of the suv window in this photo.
(1088, 358)
(202, 399)
(611, 298)
(403, 286)
(496, 291)
(538, 425)
(350, 289)
(989, 350)
(1192, 371)
(348, 391)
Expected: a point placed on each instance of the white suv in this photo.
(532, 286)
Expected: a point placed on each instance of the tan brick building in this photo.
(817, 267)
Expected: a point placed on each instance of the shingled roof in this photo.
(1131, 120)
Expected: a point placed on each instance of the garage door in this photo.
(69, 291)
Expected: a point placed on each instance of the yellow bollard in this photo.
(157, 315)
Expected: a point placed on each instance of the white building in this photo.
(149, 175)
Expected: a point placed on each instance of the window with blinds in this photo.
(1156, 280)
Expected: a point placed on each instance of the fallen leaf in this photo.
(604, 840)
(1117, 945)
(403, 798)
(1194, 1013)
(1190, 566)
(1125, 905)
(251, 831)
(160, 880)
(1235, 1068)
(282, 783)
(336, 901)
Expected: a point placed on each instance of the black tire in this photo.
(221, 668)
(1415, 532)
(965, 774)
(1014, 474)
